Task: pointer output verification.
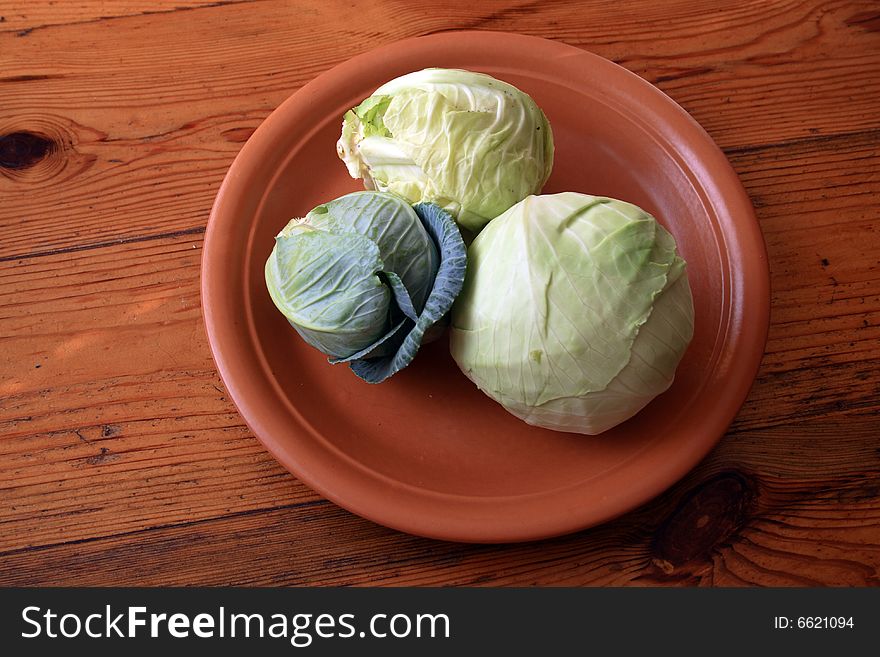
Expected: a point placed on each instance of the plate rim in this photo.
(452, 526)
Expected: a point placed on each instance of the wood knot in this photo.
(40, 150)
(20, 150)
(238, 135)
(706, 517)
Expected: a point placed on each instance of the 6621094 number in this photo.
(824, 622)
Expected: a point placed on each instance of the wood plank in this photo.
(26, 17)
(807, 519)
(814, 203)
(136, 144)
(112, 415)
(113, 418)
(122, 460)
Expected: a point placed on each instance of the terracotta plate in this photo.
(426, 452)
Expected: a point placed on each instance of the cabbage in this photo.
(465, 141)
(363, 277)
(575, 313)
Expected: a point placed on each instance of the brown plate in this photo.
(426, 452)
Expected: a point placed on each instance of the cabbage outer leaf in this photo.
(447, 285)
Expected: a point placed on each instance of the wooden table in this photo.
(122, 461)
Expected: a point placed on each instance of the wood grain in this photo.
(121, 459)
(724, 526)
(121, 411)
(140, 143)
(109, 380)
(817, 209)
(25, 17)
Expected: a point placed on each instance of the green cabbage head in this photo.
(465, 141)
(575, 313)
(365, 277)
